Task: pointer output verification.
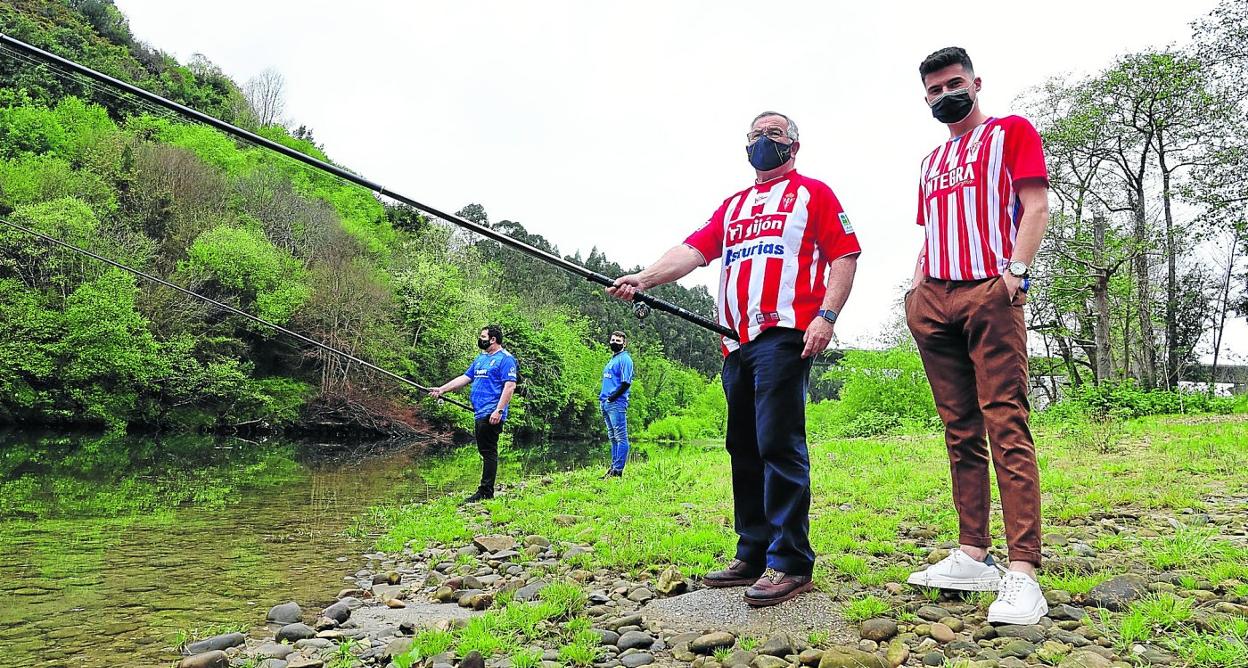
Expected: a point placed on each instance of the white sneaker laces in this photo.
(1011, 588)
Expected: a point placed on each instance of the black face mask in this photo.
(483, 344)
(767, 154)
(616, 347)
(953, 106)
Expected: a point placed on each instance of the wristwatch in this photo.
(828, 314)
(1018, 269)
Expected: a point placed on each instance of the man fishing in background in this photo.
(617, 379)
(493, 378)
(789, 255)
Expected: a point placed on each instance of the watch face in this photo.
(1018, 268)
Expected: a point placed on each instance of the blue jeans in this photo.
(765, 382)
(615, 413)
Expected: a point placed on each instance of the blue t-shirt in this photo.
(619, 370)
(489, 373)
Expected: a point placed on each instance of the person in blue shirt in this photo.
(617, 378)
(493, 378)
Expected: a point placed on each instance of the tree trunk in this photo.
(1172, 282)
(1226, 302)
(1148, 354)
(1100, 296)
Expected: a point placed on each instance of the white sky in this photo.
(621, 125)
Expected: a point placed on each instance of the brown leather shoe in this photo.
(738, 574)
(776, 587)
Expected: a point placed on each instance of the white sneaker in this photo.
(958, 571)
(1020, 601)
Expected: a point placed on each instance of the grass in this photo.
(869, 495)
(343, 655)
(1226, 646)
(674, 510)
(865, 608)
(184, 637)
(748, 643)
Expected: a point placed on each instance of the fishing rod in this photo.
(226, 307)
(646, 301)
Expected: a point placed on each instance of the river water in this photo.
(113, 548)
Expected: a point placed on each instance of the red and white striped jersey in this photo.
(776, 240)
(967, 203)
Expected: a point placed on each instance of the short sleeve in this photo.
(1024, 154)
(508, 370)
(836, 237)
(709, 239)
(626, 370)
(472, 368)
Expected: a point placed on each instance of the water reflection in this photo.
(110, 545)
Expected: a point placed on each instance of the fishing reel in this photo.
(641, 310)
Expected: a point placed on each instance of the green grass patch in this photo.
(864, 608)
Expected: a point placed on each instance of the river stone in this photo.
(314, 643)
(1115, 593)
(396, 647)
(495, 543)
(1065, 611)
(295, 632)
(932, 613)
(1019, 649)
(671, 582)
(897, 653)
(530, 591)
(301, 661)
(222, 642)
(780, 645)
(1085, 659)
(272, 663)
(473, 660)
(273, 650)
(769, 661)
(630, 620)
(637, 660)
(1033, 633)
(214, 659)
(849, 657)
(640, 595)
(286, 613)
(878, 629)
(942, 633)
(536, 541)
(710, 642)
(607, 636)
(953, 623)
(934, 659)
(634, 640)
(339, 612)
(810, 657)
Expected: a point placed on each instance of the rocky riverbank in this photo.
(1127, 588)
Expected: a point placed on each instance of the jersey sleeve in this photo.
(471, 372)
(626, 370)
(709, 239)
(1024, 154)
(836, 237)
(508, 369)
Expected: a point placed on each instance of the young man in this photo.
(983, 204)
(789, 256)
(617, 380)
(493, 378)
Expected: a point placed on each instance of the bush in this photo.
(1125, 400)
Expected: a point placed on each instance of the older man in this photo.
(788, 260)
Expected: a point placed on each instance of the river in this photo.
(114, 548)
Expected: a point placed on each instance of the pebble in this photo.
(295, 632)
(932, 613)
(286, 613)
(878, 629)
(637, 660)
(214, 659)
(634, 640)
(708, 643)
(942, 633)
(848, 657)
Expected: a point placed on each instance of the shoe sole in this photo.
(724, 584)
(765, 602)
(942, 582)
(1034, 617)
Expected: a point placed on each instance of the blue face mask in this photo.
(767, 154)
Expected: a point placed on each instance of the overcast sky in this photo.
(621, 125)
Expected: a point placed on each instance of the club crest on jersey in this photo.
(787, 202)
(849, 229)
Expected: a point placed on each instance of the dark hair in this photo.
(950, 55)
(494, 332)
(620, 334)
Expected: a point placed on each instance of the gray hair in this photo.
(792, 131)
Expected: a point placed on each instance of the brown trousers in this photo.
(973, 342)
